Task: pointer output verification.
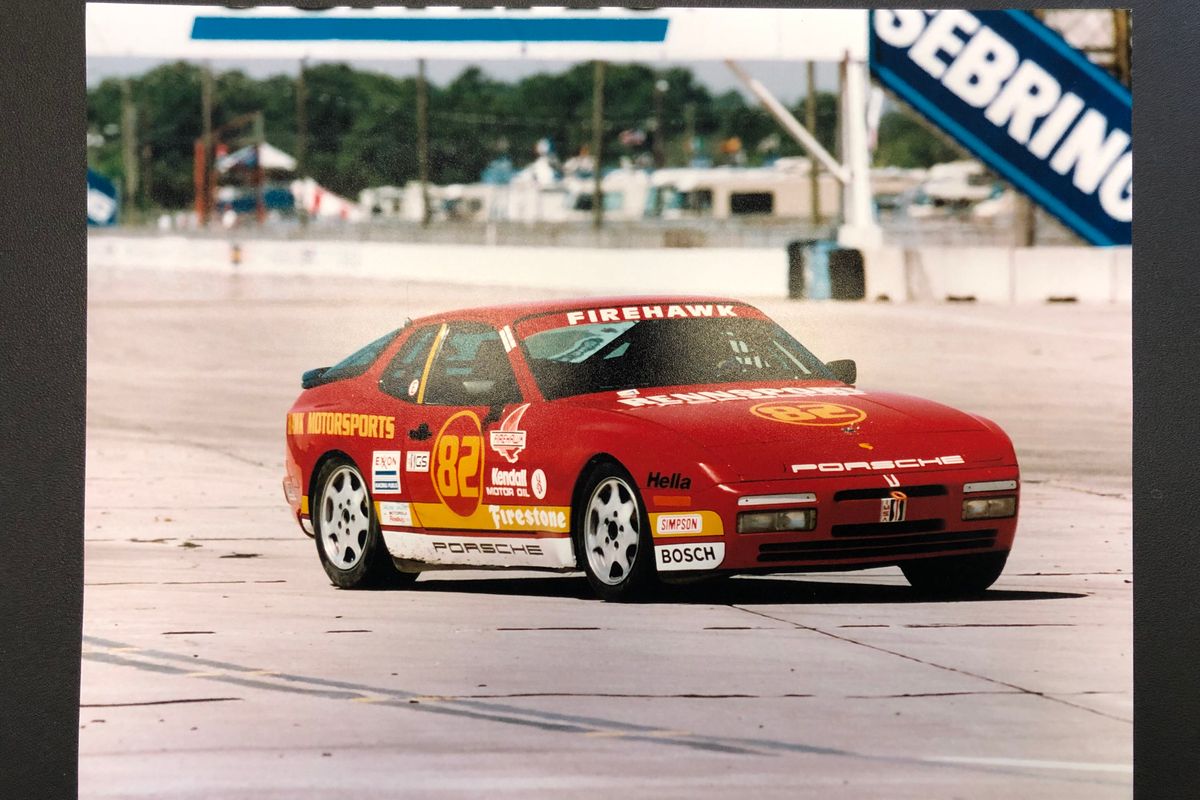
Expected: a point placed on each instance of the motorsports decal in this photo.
(809, 413)
(1023, 100)
(457, 464)
(672, 557)
(509, 440)
(555, 553)
(875, 466)
(692, 523)
(698, 398)
(385, 471)
(337, 423)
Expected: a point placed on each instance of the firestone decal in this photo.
(697, 398)
(508, 440)
(875, 466)
(633, 313)
(506, 518)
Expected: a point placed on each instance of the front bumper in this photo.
(849, 532)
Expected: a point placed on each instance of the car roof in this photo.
(510, 312)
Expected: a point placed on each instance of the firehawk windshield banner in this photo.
(1024, 101)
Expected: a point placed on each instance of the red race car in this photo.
(642, 440)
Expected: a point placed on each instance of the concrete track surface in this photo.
(220, 663)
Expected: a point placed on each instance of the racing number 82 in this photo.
(457, 463)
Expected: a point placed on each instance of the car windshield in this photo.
(580, 359)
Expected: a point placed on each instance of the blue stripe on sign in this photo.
(1005, 167)
(429, 29)
(1064, 48)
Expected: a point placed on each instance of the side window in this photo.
(471, 368)
(408, 364)
(357, 362)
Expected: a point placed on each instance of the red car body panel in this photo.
(500, 491)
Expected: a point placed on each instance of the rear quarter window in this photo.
(357, 362)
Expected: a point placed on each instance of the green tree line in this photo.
(361, 125)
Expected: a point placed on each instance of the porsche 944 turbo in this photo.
(641, 440)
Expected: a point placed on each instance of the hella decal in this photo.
(875, 466)
(656, 480)
(385, 471)
(509, 440)
(670, 557)
(699, 398)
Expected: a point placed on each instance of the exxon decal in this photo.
(1024, 101)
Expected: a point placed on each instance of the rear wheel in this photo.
(956, 576)
(613, 541)
(347, 534)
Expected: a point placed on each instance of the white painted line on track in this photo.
(1088, 766)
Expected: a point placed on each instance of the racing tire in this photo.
(612, 535)
(956, 576)
(349, 542)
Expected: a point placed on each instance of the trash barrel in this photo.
(847, 277)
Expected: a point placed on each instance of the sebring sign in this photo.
(1024, 101)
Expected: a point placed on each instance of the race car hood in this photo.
(764, 432)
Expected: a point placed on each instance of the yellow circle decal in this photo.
(457, 464)
(809, 413)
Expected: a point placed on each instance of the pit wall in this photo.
(927, 274)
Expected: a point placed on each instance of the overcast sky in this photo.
(785, 79)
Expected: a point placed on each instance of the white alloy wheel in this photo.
(345, 518)
(612, 531)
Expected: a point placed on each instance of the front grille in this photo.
(915, 544)
(928, 490)
(887, 528)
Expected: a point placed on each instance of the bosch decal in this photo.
(670, 557)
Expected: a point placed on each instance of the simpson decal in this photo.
(416, 461)
(679, 524)
(832, 414)
(385, 471)
(395, 514)
(509, 440)
(336, 423)
(672, 557)
(699, 398)
(879, 466)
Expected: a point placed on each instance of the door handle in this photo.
(420, 433)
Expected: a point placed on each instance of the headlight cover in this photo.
(989, 507)
(792, 519)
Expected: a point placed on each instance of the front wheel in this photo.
(613, 541)
(349, 542)
(956, 576)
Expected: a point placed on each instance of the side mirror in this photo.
(312, 377)
(844, 370)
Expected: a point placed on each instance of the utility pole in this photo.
(810, 121)
(301, 131)
(129, 161)
(689, 131)
(1122, 49)
(597, 144)
(660, 158)
(205, 171)
(260, 209)
(423, 142)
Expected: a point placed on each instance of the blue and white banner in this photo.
(102, 201)
(1025, 102)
